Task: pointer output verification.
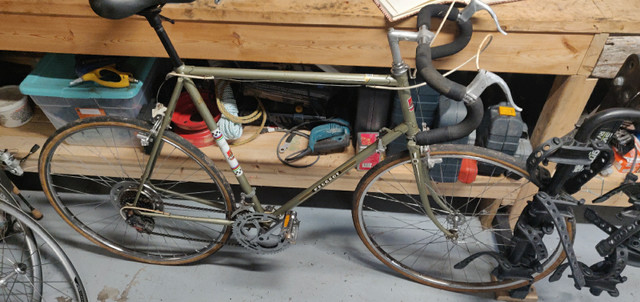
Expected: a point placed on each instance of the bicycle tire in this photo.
(183, 182)
(391, 221)
(33, 266)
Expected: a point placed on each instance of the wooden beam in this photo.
(578, 16)
(593, 54)
(615, 52)
(351, 46)
(563, 108)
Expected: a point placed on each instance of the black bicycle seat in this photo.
(119, 9)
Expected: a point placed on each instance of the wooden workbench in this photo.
(568, 39)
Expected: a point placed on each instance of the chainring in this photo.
(260, 232)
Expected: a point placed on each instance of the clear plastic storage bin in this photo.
(48, 86)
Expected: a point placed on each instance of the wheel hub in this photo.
(455, 220)
(124, 194)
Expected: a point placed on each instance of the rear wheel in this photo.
(479, 185)
(96, 198)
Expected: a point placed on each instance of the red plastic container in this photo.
(199, 138)
(186, 115)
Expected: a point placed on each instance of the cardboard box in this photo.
(365, 139)
(623, 162)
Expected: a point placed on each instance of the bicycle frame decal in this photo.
(228, 154)
(327, 181)
(410, 103)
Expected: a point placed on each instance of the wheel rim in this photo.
(408, 242)
(179, 180)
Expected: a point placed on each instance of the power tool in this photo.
(330, 137)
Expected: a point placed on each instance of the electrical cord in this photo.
(291, 133)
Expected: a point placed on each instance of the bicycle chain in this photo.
(193, 207)
(226, 242)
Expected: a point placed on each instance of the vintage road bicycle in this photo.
(33, 266)
(141, 191)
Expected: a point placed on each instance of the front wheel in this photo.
(90, 171)
(478, 185)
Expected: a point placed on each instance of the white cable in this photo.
(175, 74)
(442, 23)
(396, 88)
(476, 56)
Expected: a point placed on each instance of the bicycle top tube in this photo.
(291, 76)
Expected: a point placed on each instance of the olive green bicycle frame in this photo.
(409, 128)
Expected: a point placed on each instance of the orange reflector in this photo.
(468, 171)
(502, 110)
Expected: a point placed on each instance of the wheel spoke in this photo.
(393, 224)
(199, 192)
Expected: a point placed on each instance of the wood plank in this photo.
(580, 16)
(563, 107)
(615, 52)
(532, 296)
(257, 158)
(528, 53)
(263, 169)
(524, 196)
(600, 185)
(593, 54)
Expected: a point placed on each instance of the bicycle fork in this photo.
(420, 167)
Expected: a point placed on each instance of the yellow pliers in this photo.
(107, 76)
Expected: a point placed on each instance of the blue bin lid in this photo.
(54, 72)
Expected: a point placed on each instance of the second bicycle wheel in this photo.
(33, 267)
(90, 171)
(478, 185)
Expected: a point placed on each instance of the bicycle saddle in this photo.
(119, 9)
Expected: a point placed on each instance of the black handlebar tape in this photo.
(441, 84)
(461, 40)
(475, 111)
(435, 10)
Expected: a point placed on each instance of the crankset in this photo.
(266, 233)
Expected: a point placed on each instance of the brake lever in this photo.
(483, 80)
(477, 5)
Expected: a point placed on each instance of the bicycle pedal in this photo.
(290, 226)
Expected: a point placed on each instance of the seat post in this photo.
(155, 20)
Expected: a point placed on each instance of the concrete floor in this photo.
(329, 263)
